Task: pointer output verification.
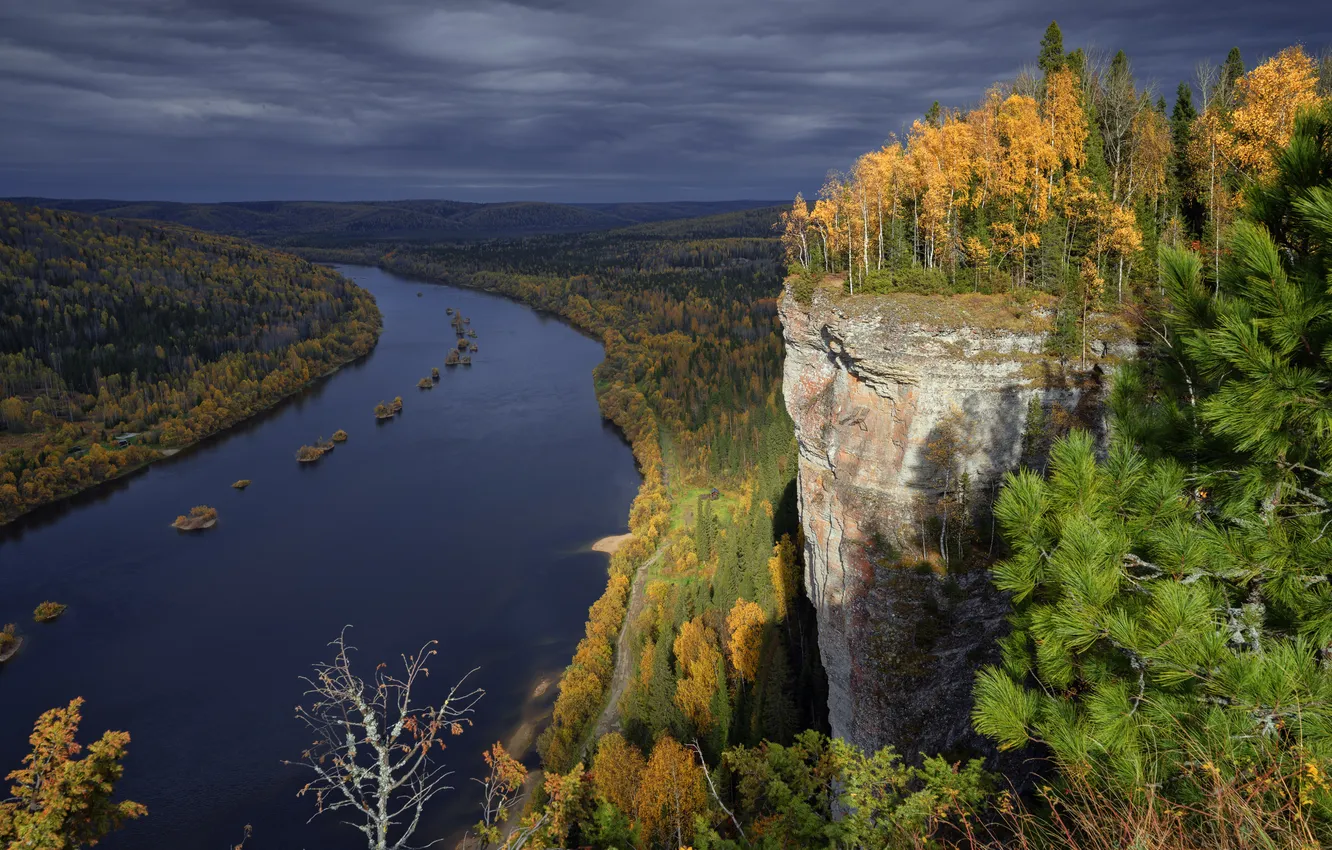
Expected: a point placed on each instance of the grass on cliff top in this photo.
(1018, 311)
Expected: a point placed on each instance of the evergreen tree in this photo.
(1052, 50)
(1076, 61)
(1171, 603)
(1232, 70)
(932, 115)
(704, 529)
(1183, 179)
(662, 713)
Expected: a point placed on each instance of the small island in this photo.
(466, 360)
(425, 384)
(449, 310)
(462, 345)
(471, 347)
(383, 411)
(48, 611)
(9, 643)
(452, 358)
(471, 334)
(310, 454)
(339, 436)
(397, 404)
(241, 484)
(434, 373)
(200, 517)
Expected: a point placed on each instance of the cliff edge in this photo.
(872, 382)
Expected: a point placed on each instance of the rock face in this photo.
(869, 383)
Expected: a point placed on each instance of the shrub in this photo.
(48, 611)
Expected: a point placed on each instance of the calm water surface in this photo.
(466, 519)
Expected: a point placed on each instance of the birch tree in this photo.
(374, 752)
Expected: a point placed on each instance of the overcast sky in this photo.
(575, 100)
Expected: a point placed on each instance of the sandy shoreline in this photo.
(610, 545)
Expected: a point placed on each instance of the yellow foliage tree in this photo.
(795, 232)
(671, 793)
(744, 625)
(1064, 120)
(697, 659)
(1269, 97)
(782, 569)
(617, 771)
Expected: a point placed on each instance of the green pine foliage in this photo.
(1171, 602)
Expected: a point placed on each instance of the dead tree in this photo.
(374, 750)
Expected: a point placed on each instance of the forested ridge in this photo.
(333, 223)
(114, 327)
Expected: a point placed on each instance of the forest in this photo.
(120, 340)
(1064, 180)
(1166, 673)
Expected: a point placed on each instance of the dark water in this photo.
(466, 519)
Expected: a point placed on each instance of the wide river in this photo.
(466, 520)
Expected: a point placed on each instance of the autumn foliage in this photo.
(164, 333)
(671, 793)
(745, 626)
(1066, 182)
(61, 800)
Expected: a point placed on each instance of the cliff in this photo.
(872, 382)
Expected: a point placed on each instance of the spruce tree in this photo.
(933, 115)
(1182, 176)
(1232, 70)
(1052, 50)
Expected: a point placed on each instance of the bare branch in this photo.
(374, 749)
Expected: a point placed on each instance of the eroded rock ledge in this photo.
(868, 381)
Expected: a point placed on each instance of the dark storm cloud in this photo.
(548, 99)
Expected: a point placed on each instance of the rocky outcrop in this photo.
(870, 383)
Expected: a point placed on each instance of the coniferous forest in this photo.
(115, 328)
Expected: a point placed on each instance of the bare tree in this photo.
(1208, 75)
(373, 750)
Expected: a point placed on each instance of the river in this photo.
(466, 520)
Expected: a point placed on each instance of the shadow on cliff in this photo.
(937, 617)
(802, 626)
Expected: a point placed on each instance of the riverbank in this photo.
(432, 496)
(612, 543)
(144, 456)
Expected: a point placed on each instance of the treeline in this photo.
(113, 328)
(1066, 180)
(348, 223)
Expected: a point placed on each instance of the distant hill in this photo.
(331, 223)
